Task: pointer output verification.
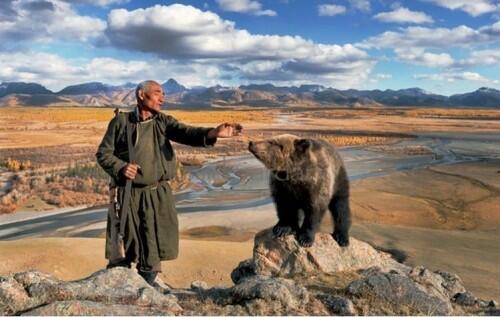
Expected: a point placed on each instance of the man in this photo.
(151, 227)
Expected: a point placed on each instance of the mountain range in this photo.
(96, 94)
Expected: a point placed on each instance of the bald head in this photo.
(145, 86)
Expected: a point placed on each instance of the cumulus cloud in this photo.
(420, 57)
(403, 15)
(45, 20)
(244, 6)
(186, 33)
(362, 5)
(435, 37)
(482, 57)
(55, 72)
(452, 77)
(330, 9)
(473, 7)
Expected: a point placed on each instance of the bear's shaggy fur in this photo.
(307, 175)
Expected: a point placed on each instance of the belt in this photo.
(150, 186)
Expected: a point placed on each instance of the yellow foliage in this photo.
(15, 165)
(65, 115)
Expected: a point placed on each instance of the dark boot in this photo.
(121, 263)
(148, 276)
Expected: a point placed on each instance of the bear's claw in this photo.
(305, 240)
(342, 239)
(281, 231)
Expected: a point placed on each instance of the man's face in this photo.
(152, 98)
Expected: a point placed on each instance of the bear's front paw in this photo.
(305, 239)
(281, 231)
(342, 239)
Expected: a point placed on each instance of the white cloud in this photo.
(420, 57)
(330, 9)
(473, 7)
(452, 77)
(46, 20)
(187, 33)
(483, 57)
(55, 72)
(383, 76)
(101, 3)
(244, 6)
(362, 5)
(434, 37)
(404, 15)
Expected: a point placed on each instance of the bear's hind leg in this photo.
(341, 213)
(288, 219)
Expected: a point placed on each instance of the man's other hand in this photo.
(130, 170)
(226, 130)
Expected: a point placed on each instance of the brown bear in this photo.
(307, 178)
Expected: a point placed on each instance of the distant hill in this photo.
(172, 87)
(86, 89)
(485, 97)
(23, 88)
(98, 94)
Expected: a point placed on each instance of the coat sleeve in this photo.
(105, 152)
(185, 134)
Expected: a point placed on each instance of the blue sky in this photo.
(443, 46)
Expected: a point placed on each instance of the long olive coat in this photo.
(152, 229)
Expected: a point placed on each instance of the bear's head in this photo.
(282, 154)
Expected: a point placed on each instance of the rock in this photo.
(465, 299)
(290, 295)
(399, 291)
(199, 285)
(451, 283)
(24, 291)
(338, 305)
(440, 284)
(285, 257)
(89, 308)
(245, 269)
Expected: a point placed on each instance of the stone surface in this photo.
(199, 285)
(398, 290)
(339, 305)
(89, 308)
(284, 256)
(245, 269)
(25, 291)
(465, 299)
(283, 290)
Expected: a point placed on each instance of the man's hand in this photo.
(130, 170)
(226, 130)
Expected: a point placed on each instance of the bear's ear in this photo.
(302, 145)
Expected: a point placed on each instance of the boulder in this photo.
(23, 292)
(398, 293)
(270, 289)
(285, 257)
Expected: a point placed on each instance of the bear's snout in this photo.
(251, 147)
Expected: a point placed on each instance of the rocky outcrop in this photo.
(285, 257)
(281, 279)
(37, 293)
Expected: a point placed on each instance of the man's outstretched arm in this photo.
(197, 136)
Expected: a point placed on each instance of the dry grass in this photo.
(343, 140)
(23, 115)
(477, 114)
